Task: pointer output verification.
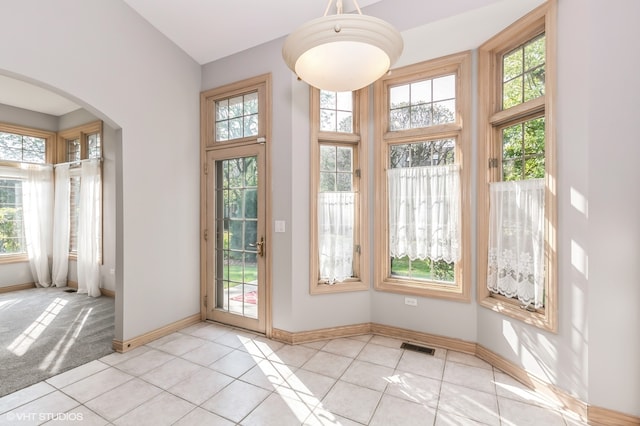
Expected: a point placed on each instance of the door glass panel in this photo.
(237, 233)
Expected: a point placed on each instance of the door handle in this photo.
(260, 246)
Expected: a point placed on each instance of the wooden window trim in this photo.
(49, 137)
(491, 120)
(6, 259)
(459, 64)
(208, 100)
(360, 127)
(81, 133)
(207, 143)
(50, 140)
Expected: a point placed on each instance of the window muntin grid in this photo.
(420, 154)
(74, 210)
(73, 150)
(94, 146)
(336, 111)
(22, 148)
(523, 73)
(237, 225)
(12, 239)
(423, 103)
(523, 150)
(336, 168)
(236, 117)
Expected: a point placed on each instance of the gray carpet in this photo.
(45, 331)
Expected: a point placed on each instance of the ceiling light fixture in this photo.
(342, 52)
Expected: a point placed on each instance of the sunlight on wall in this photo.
(511, 336)
(579, 202)
(22, 343)
(579, 259)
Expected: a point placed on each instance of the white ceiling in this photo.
(27, 96)
(208, 30)
(193, 25)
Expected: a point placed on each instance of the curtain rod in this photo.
(78, 162)
(14, 163)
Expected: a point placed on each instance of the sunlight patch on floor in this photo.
(6, 304)
(291, 389)
(68, 340)
(22, 343)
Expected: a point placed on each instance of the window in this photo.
(422, 179)
(73, 150)
(77, 144)
(516, 154)
(237, 115)
(11, 217)
(17, 145)
(74, 210)
(24, 145)
(338, 241)
(80, 143)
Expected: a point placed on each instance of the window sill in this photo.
(13, 258)
(429, 289)
(539, 319)
(342, 287)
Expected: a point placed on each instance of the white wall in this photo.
(613, 90)
(146, 88)
(595, 353)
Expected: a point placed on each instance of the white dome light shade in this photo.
(342, 52)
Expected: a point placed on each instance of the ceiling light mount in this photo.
(342, 52)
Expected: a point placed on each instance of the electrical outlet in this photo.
(411, 301)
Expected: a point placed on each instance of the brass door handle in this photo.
(260, 246)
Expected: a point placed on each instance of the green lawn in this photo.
(234, 275)
(422, 269)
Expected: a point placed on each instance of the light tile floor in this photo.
(208, 374)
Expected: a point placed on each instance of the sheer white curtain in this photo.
(60, 266)
(516, 240)
(89, 213)
(37, 203)
(424, 212)
(336, 211)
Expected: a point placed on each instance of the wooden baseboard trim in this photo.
(294, 338)
(599, 416)
(17, 287)
(596, 415)
(424, 338)
(559, 396)
(103, 291)
(107, 293)
(127, 345)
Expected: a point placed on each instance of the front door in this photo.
(235, 234)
